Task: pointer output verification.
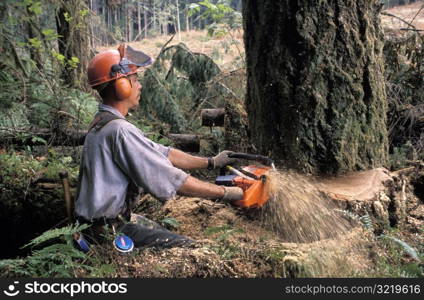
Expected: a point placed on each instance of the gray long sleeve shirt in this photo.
(115, 156)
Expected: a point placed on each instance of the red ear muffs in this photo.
(123, 88)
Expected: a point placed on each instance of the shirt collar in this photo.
(104, 107)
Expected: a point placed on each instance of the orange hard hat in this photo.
(114, 64)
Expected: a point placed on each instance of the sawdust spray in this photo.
(298, 212)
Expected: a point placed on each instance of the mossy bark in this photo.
(73, 41)
(315, 87)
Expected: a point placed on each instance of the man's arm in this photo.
(186, 161)
(196, 188)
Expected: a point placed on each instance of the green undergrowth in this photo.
(53, 255)
(398, 259)
(20, 169)
(31, 198)
(392, 255)
(224, 247)
(404, 57)
(58, 259)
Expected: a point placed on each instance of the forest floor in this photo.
(234, 242)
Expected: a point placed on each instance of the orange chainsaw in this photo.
(251, 179)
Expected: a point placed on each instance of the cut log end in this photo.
(213, 117)
(186, 142)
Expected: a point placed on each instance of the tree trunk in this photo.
(107, 12)
(145, 19)
(154, 15)
(315, 87)
(91, 39)
(126, 25)
(178, 21)
(33, 33)
(115, 15)
(130, 24)
(73, 41)
(187, 18)
(139, 19)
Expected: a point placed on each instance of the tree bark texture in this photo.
(73, 41)
(315, 91)
(34, 33)
(145, 20)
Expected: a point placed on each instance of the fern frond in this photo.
(58, 250)
(226, 231)
(55, 233)
(405, 274)
(170, 222)
(11, 263)
(15, 266)
(367, 222)
(57, 260)
(408, 249)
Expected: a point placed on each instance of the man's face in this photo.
(134, 99)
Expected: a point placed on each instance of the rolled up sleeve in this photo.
(147, 164)
(161, 148)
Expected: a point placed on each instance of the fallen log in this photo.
(33, 136)
(186, 142)
(213, 117)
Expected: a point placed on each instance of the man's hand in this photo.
(232, 193)
(222, 159)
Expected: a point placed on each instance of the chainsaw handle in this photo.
(263, 159)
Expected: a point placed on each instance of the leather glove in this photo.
(232, 193)
(222, 159)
